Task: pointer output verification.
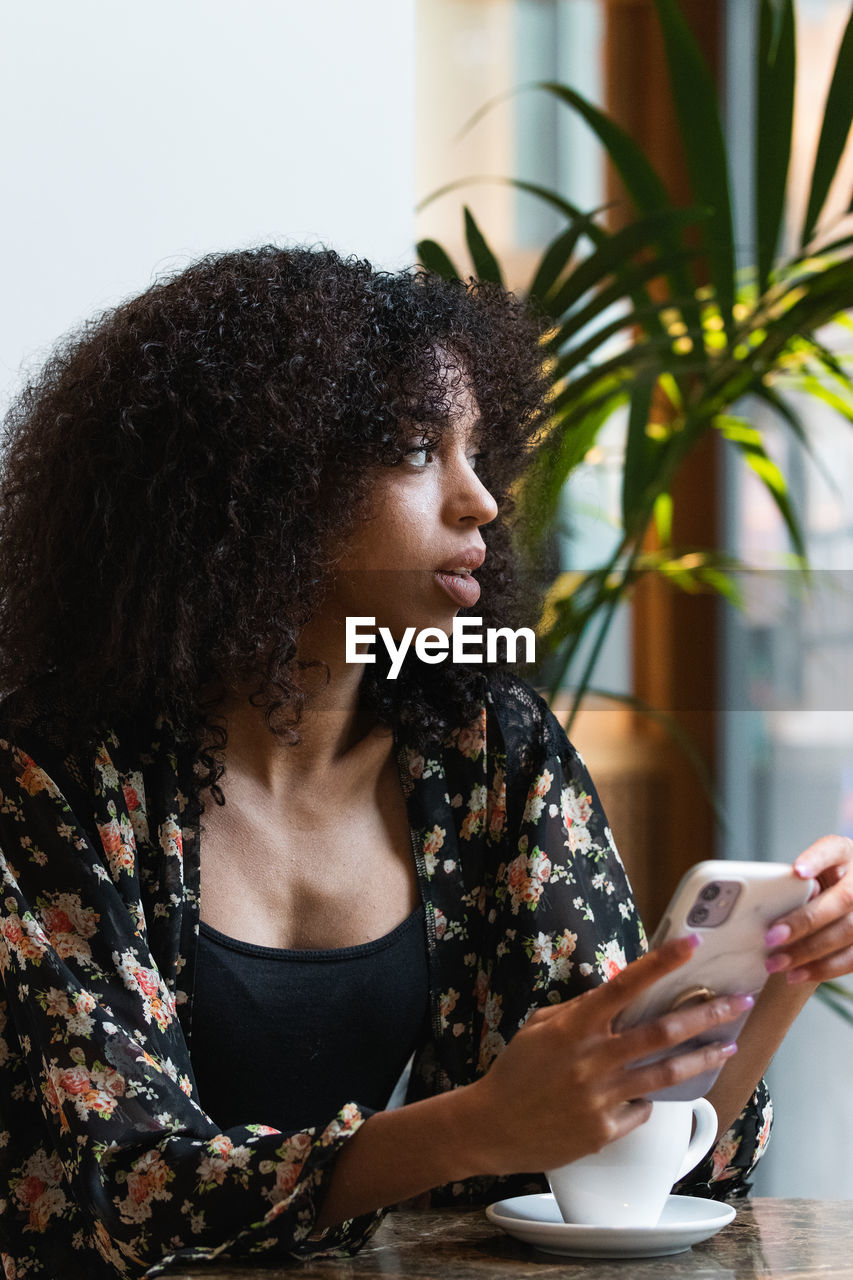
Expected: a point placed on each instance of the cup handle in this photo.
(704, 1137)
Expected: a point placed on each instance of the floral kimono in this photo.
(109, 1166)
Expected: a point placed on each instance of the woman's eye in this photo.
(418, 457)
(475, 461)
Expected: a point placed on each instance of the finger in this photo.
(834, 966)
(614, 996)
(677, 1068)
(605, 1000)
(609, 1122)
(829, 851)
(672, 1029)
(627, 1116)
(816, 946)
(833, 905)
(546, 1012)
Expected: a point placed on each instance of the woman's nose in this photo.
(471, 498)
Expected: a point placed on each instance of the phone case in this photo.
(731, 957)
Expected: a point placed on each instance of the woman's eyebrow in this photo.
(472, 431)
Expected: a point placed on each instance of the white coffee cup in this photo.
(627, 1182)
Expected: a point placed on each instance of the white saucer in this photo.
(536, 1219)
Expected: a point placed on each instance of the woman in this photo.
(203, 486)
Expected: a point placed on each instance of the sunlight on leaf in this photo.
(663, 518)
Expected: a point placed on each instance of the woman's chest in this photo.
(319, 872)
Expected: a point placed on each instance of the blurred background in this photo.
(136, 140)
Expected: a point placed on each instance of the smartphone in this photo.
(730, 905)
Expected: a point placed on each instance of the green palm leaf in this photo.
(636, 358)
(647, 316)
(485, 263)
(579, 354)
(642, 182)
(564, 450)
(557, 257)
(775, 78)
(637, 172)
(747, 439)
(640, 451)
(435, 259)
(617, 252)
(556, 201)
(837, 118)
(704, 146)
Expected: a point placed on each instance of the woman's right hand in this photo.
(567, 1083)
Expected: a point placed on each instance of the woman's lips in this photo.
(461, 587)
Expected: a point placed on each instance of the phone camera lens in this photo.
(697, 915)
(710, 892)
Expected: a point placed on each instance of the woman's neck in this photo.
(340, 744)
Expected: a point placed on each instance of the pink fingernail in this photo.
(774, 963)
(694, 939)
(796, 975)
(744, 1002)
(727, 1050)
(779, 933)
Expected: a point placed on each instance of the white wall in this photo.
(136, 137)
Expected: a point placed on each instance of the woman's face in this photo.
(409, 563)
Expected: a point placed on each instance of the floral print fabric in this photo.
(109, 1166)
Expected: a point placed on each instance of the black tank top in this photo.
(285, 1038)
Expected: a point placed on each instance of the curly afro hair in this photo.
(171, 483)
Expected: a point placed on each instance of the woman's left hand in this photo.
(815, 942)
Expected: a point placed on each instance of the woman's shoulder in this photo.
(528, 724)
(41, 724)
(38, 754)
(92, 772)
(533, 739)
(38, 722)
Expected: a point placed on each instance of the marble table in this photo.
(794, 1239)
